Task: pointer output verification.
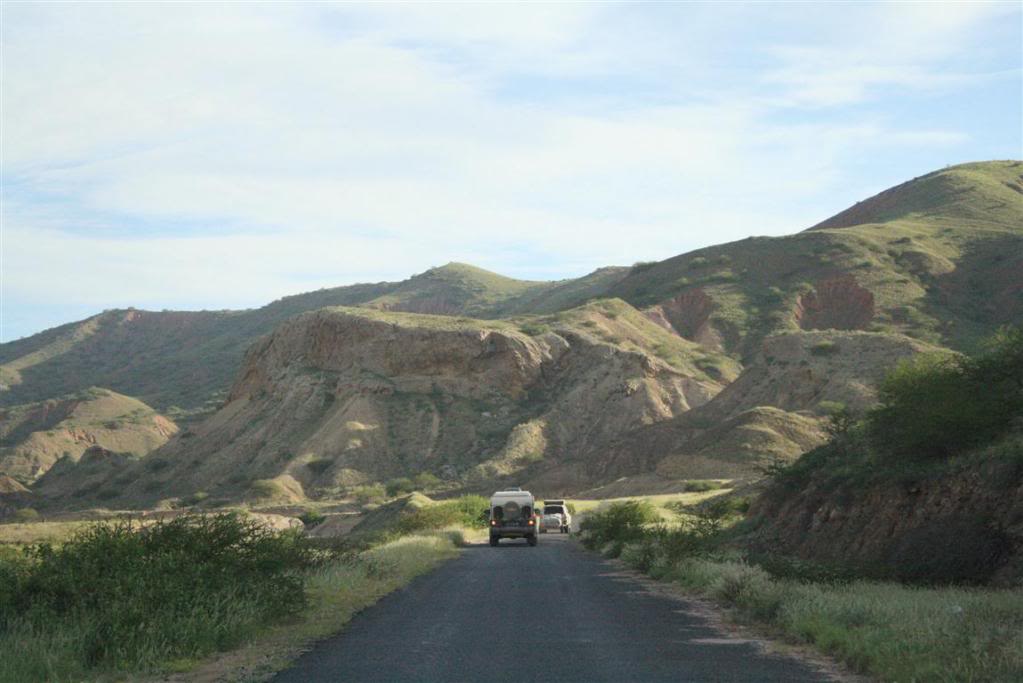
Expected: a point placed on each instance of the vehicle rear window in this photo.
(553, 510)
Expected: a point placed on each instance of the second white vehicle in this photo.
(556, 516)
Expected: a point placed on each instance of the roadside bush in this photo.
(695, 534)
(117, 596)
(620, 521)
(462, 511)
(641, 555)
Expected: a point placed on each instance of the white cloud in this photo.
(309, 145)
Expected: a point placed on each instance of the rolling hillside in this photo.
(710, 363)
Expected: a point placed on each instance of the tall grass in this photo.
(119, 597)
(889, 630)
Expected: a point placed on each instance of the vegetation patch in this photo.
(119, 597)
(886, 630)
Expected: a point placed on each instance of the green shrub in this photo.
(641, 555)
(700, 485)
(399, 486)
(620, 521)
(311, 518)
(426, 481)
(935, 406)
(463, 511)
(116, 596)
(831, 407)
(156, 464)
(372, 493)
(695, 534)
(26, 515)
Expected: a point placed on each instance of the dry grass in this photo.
(39, 532)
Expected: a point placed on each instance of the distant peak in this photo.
(964, 191)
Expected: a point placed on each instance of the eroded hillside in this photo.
(346, 396)
(714, 363)
(35, 436)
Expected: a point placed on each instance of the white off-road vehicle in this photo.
(556, 516)
(513, 515)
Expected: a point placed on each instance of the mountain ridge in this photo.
(801, 321)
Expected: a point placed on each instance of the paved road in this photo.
(551, 613)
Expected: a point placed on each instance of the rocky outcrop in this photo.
(343, 396)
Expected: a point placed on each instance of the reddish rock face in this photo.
(689, 312)
(688, 315)
(839, 303)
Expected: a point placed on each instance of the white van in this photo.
(513, 515)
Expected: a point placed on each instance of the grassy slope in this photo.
(939, 249)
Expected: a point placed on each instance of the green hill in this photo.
(942, 261)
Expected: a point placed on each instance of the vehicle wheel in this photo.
(531, 539)
(494, 540)
(564, 529)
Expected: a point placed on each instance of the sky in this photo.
(210, 156)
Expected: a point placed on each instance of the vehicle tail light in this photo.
(531, 522)
(493, 522)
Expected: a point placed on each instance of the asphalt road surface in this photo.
(551, 613)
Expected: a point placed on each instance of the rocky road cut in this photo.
(551, 613)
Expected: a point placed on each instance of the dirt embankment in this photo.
(966, 525)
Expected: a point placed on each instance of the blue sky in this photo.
(210, 156)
